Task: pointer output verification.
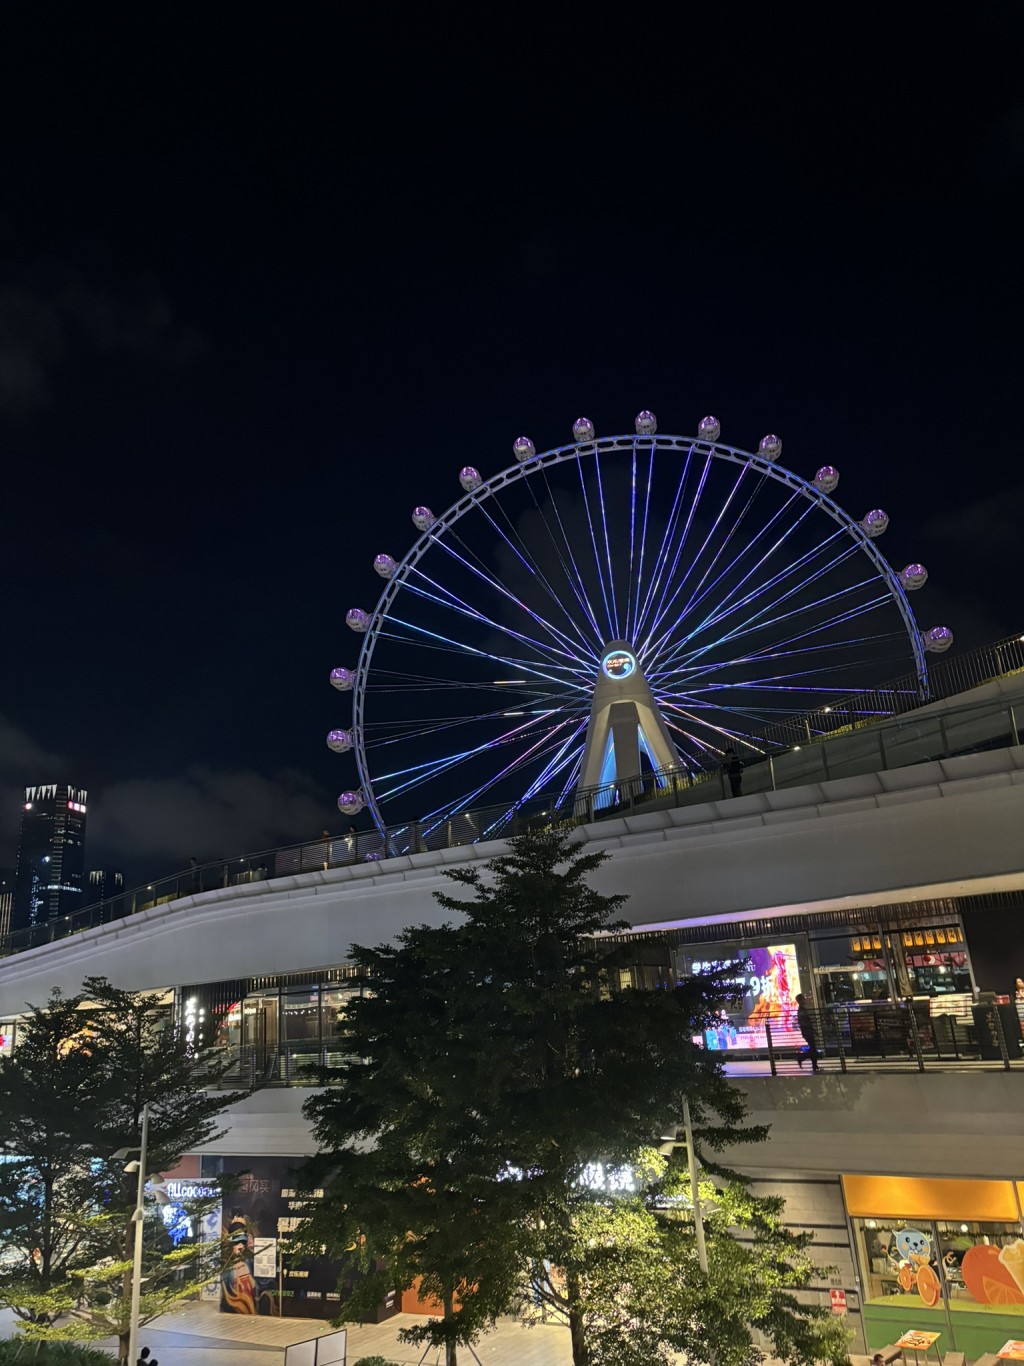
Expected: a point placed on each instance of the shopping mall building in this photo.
(880, 871)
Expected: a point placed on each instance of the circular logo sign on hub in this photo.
(618, 664)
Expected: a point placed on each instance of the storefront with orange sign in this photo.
(939, 1256)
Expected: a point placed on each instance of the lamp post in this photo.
(698, 1221)
(138, 1217)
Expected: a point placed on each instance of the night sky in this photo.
(270, 275)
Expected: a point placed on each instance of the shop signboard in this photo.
(770, 983)
(837, 1299)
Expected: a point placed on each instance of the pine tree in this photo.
(72, 1095)
(492, 1065)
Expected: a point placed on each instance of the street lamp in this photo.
(138, 1216)
(698, 1219)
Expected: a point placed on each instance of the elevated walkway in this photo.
(950, 827)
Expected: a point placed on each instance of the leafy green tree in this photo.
(71, 1095)
(631, 1261)
(491, 1064)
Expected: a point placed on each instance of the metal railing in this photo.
(249, 1066)
(946, 678)
(876, 1034)
(832, 743)
(858, 1037)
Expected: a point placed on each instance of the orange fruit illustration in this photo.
(986, 1279)
(1001, 1292)
(905, 1276)
(928, 1286)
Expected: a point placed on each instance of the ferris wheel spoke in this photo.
(666, 605)
(730, 734)
(520, 761)
(758, 623)
(400, 732)
(529, 563)
(690, 515)
(731, 604)
(570, 570)
(697, 596)
(446, 643)
(607, 542)
(597, 553)
(633, 626)
(563, 756)
(416, 774)
(661, 558)
(567, 646)
(572, 779)
(571, 765)
(682, 648)
(437, 594)
(516, 543)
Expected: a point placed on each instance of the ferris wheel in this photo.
(616, 605)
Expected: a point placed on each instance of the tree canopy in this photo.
(492, 1062)
(72, 1094)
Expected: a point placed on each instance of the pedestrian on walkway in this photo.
(805, 1024)
(733, 770)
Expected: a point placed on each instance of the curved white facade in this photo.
(949, 828)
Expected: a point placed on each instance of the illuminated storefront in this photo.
(939, 1256)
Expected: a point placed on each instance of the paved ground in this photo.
(200, 1335)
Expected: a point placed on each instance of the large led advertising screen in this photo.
(770, 982)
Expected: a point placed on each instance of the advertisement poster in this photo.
(260, 1275)
(770, 983)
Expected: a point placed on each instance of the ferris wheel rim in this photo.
(577, 450)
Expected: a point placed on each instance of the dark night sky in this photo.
(270, 275)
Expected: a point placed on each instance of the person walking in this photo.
(733, 770)
(805, 1024)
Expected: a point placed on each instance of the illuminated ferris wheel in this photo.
(616, 606)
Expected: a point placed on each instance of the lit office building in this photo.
(51, 855)
(102, 884)
(7, 876)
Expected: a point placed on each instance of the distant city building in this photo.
(101, 884)
(51, 855)
(7, 876)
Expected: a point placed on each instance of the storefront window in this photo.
(960, 1277)
(300, 1015)
(869, 965)
(335, 1002)
(229, 1031)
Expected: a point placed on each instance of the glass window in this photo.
(335, 1003)
(984, 1265)
(300, 1015)
(259, 1020)
(959, 1278)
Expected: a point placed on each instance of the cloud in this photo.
(152, 826)
(206, 814)
(54, 313)
(989, 525)
(32, 343)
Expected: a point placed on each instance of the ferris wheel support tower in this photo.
(625, 723)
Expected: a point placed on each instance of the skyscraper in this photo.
(51, 855)
(101, 884)
(7, 876)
